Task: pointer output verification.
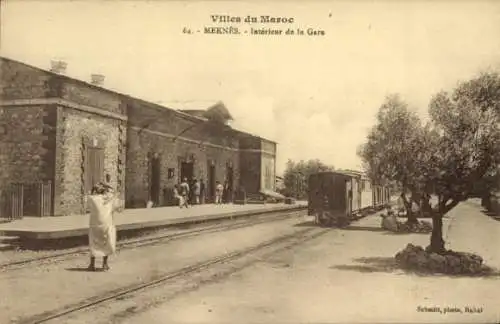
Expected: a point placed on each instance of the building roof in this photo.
(215, 110)
(186, 109)
(245, 133)
(190, 105)
(102, 88)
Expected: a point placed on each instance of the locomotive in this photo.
(336, 198)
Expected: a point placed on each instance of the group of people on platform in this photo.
(194, 193)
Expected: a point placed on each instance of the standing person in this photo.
(196, 192)
(191, 196)
(102, 231)
(184, 188)
(226, 192)
(177, 196)
(219, 189)
(202, 191)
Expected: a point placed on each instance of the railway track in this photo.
(277, 244)
(153, 240)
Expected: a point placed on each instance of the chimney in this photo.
(97, 79)
(58, 66)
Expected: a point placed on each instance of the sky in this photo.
(317, 96)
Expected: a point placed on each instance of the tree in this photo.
(392, 143)
(297, 174)
(467, 150)
(449, 156)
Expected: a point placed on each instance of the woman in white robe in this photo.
(102, 232)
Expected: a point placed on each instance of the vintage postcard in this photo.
(249, 161)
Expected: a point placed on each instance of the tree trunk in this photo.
(437, 242)
(411, 217)
(486, 201)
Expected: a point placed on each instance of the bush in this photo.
(449, 262)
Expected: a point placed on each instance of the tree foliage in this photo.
(297, 174)
(450, 157)
(389, 154)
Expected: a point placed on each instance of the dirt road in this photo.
(343, 276)
(347, 276)
(33, 290)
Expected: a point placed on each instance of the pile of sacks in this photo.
(390, 222)
(450, 262)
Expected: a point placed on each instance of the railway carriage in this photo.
(336, 198)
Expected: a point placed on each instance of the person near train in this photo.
(102, 231)
(177, 196)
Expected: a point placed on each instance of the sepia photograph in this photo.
(216, 161)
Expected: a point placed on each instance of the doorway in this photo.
(94, 167)
(349, 189)
(154, 190)
(186, 171)
(211, 181)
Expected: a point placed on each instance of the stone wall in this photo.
(268, 146)
(40, 141)
(20, 81)
(74, 129)
(258, 160)
(27, 138)
(249, 142)
(87, 94)
(141, 145)
(152, 117)
(250, 164)
(267, 172)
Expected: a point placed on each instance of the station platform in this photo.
(40, 228)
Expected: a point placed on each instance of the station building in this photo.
(59, 136)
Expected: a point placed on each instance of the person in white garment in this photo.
(102, 232)
(219, 190)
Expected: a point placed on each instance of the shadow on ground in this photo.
(389, 265)
(363, 228)
(84, 269)
(405, 233)
(306, 224)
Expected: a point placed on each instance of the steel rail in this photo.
(302, 236)
(149, 241)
